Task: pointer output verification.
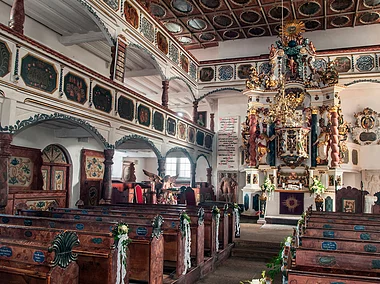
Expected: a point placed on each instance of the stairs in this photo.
(255, 251)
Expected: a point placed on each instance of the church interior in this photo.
(157, 141)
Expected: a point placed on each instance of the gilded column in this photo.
(5, 154)
(195, 111)
(212, 122)
(334, 139)
(314, 137)
(107, 179)
(252, 138)
(165, 93)
(17, 17)
(161, 167)
(209, 175)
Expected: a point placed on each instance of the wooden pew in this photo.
(146, 250)
(298, 276)
(171, 221)
(174, 241)
(342, 234)
(38, 262)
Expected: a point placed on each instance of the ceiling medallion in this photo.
(173, 27)
(369, 17)
(207, 37)
(340, 21)
(258, 31)
(312, 25)
(211, 4)
(182, 6)
(250, 17)
(241, 2)
(292, 30)
(223, 21)
(309, 8)
(276, 12)
(185, 40)
(371, 3)
(231, 34)
(157, 10)
(341, 5)
(197, 24)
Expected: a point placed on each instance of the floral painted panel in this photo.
(75, 88)
(20, 172)
(143, 115)
(193, 71)
(173, 53)
(320, 64)
(126, 108)
(365, 63)
(38, 74)
(42, 205)
(5, 59)
(59, 179)
(147, 29)
(114, 4)
(182, 133)
(225, 73)
(94, 168)
(53, 154)
(158, 121)
(102, 98)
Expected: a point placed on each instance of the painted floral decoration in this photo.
(267, 185)
(317, 187)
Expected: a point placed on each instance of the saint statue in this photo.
(323, 143)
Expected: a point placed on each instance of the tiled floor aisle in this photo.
(236, 269)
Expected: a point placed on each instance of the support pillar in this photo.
(212, 122)
(107, 179)
(161, 167)
(334, 140)
(195, 111)
(314, 137)
(17, 17)
(5, 154)
(193, 172)
(165, 93)
(209, 176)
(252, 138)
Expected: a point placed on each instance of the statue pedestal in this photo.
(251, 191)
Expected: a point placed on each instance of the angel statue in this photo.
(163, 186)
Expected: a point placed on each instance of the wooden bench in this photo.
(146, 249)
(297, 276)
(174, 241)
(38, 262)
(197, 222)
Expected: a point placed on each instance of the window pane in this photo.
(171, 166)
(184, 168)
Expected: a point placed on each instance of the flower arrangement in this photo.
(317, 187)
(120, 235)
(267, 185)
(262, 280)
(215, 210)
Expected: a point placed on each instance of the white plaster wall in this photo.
(201, 172)
(148, 164)
(39, 137)
(352, 179)
(326, 39)
(48, 37)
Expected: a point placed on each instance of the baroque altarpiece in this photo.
(294, 129)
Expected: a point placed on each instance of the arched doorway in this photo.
(56, 169)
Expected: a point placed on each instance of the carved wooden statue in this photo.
(228, 188)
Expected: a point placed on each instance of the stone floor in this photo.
(237, 269)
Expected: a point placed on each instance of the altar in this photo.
(294, 134)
